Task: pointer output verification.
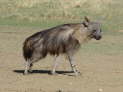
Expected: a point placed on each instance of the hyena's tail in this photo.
(27, 49)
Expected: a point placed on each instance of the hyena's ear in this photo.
(86, 21)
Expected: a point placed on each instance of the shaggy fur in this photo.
(62, 39)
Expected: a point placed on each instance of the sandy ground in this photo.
(100, 72)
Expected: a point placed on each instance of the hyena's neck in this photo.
(81, 33)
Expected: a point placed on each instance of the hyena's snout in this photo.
(97, 34)
(97, 37)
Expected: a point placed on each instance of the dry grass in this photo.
(14, 7)
(105, 11)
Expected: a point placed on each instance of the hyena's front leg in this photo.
(28, 67)
(73, 65)
(56, 63)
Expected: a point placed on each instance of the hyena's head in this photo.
(93, 29)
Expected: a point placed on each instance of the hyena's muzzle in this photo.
(97, 34)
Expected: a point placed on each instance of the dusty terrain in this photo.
(100, 62)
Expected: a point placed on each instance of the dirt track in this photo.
(100, 72)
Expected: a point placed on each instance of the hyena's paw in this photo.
(53, 73)
(77, 73)
(30, 71)
(26, 72)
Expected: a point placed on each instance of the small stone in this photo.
(100, 90)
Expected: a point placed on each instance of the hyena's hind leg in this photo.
(28, 66)
(72, 63)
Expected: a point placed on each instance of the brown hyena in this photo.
(62, 39)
